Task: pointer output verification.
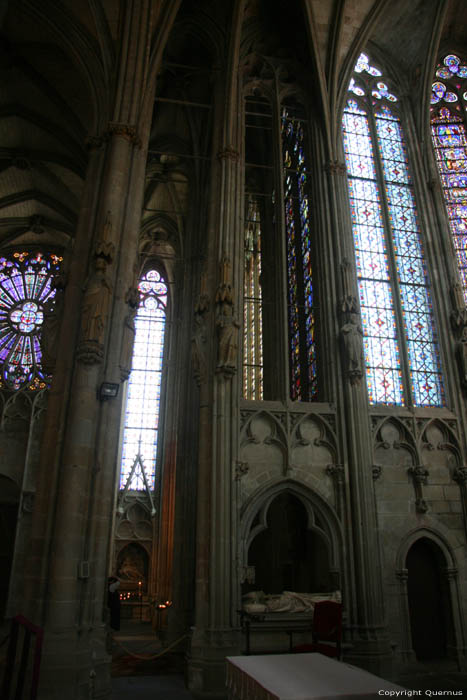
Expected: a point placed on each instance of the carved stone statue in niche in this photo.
(96, 308)
(53, 309)
(198, 340)
(226, 323)
(128, 336)
(105, 248)
(462, 356)
(351, 334)
(228, 327)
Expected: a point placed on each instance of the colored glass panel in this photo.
(416, 306)
(381, 348)
(252, 305)
(26, 291)
(141, 424)
(450, 144)
(301, 312)
(394, 291)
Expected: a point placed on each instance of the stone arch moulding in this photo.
(448, 440)
(259, 504)
(264, 428)
(445, 542)
(326, 437)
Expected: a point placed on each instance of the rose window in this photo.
(26, 287)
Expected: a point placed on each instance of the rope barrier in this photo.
(152, 656)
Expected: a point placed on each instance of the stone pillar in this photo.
(76, 486)
(215, 635)
(406, 651)
(369, 637)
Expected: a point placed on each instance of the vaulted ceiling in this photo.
(58, 63)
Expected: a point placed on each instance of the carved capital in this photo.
(125, 131)
(335, 167)
(421, 505)
(229, 153)
(90, 352)
(460, 475)
(419, 474)
(94, 143)
(336, 472)
(241, 469)
(376, 471)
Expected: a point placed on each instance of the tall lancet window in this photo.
(278, 254)
(301, 318)
(252, 304)
(448, 119)
(141, 426)
(401, 352)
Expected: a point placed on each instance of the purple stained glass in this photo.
(141, 423)
(25, 292)
(301, 311)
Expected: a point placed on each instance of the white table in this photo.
(300, 677)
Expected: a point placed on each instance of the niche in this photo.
(132, 570)
(429, 601)
(289, 555)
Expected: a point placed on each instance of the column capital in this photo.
(126, 131)
(229, 153)
(335, 167)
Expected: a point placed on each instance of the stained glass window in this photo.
(252, 305)
(26, 292)
(301, 311)
(401, 353)
(141, 423)
(448, 115)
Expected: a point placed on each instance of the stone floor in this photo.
(162, 678)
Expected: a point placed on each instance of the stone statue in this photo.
(351, 334)
(228, 327)
(104, 245)
(198, 340)
(128, 335)
(462, 356)
(96, 309)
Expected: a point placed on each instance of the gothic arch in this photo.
(443, 542)
(321, 518)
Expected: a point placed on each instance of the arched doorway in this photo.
(429, 600)
(288, 552)
(9, 499)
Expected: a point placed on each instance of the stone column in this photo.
(79, 454)
(406, 651)
(214, 635)
(369, 636)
